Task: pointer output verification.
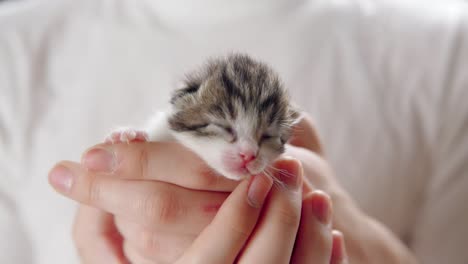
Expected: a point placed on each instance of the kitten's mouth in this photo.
(241, 170)
(246, 171)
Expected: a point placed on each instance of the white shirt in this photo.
(386, 83)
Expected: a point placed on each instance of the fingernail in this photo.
(289, 172)
(259, 187)
(61, 178)
(321, 207)
(99, 160)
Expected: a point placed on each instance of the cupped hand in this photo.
(369, 241)
(147, 198)
(239, 232)
(242, 233)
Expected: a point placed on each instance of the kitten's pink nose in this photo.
(247, 156)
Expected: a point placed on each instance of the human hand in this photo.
(276, 234)
(368, 241)
(141, 209)
(133, 188)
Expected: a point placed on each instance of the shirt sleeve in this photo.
(440, 234)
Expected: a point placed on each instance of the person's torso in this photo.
(103, 69)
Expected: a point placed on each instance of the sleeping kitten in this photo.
(234, 113)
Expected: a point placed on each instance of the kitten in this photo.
(234, 113)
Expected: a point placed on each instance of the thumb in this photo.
(305, 135)
(223, 239)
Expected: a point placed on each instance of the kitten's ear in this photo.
(188, 88)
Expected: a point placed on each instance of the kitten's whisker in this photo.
(286, 124)
(276, 182)
(281, 171)
(296, 129)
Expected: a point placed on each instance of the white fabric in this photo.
(386, 83)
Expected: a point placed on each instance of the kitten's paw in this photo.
(126, 134)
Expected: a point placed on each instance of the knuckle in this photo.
(163, 207)
(238, 231)
(288, 217)
(94, 190)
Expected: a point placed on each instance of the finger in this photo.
(275, 233)
(232, 225)
(133, 255)
(339, 254)
(156, 246)
(96, 238)
(305, 135)
(319, 174)
(314, 238)
(150, 203)
(156, 161)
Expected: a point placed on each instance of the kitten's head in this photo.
(234, 114)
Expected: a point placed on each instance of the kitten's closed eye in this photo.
(228, 129)
(199, 126)
(270, 138)
(266, 137)
(225, 131)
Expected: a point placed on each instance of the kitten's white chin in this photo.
(241, 174)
